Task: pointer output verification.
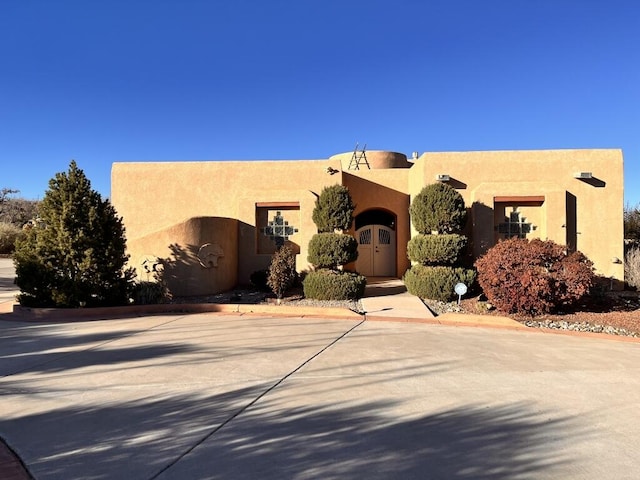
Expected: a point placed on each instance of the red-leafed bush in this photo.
(533, 277)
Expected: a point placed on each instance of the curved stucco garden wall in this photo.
(196, 257)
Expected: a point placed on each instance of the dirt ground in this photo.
(616, 309)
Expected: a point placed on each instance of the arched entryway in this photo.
(376, 236)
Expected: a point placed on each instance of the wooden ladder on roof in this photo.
(358, 158)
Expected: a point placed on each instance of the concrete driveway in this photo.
(230, 396)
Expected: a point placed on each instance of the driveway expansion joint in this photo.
(255, 400)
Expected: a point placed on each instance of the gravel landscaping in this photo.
(615, 313)
(256, 297)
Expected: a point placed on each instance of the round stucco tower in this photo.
(377, 159)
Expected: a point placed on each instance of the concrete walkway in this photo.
(387, 298)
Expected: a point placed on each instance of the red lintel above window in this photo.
(520, 199)
(278, 204)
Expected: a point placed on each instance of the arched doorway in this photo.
(376, 236)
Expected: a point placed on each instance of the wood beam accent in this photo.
(278, 204)
(521, 199)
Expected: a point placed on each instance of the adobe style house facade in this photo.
(212, 224)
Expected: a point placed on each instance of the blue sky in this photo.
(134, 80)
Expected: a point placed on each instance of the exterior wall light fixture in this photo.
(583, 175)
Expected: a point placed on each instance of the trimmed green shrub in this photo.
(533, 277)
(149, 293)
(436, 249)
(8, 235)
(258, 279)
(436, 283)
(328, 250)
(327, 284)
(75, 254)
(438, 208)
(437, 212)
(334, 209)
(282, 271)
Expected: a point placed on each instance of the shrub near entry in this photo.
(436, 249)
(334, 209)
(438, 213)
(328, 284)
(329, 251)
(533, 277)
(436, 283)
(438, 208)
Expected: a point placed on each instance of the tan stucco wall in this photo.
(480, 176)
(183, 253)
(155, 197)
(152, 196)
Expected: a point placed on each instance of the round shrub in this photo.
(438, 208)
(327, 284)
(149, 293)
(334, 209)
(258, 279)
(436, 283)
(9, 233)
(533, 277)
(328, 250)
(436, 249)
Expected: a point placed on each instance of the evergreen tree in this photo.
(75, 253)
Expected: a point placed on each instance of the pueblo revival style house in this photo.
(209, 225)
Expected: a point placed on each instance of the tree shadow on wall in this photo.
(480, 217)
(175, 270)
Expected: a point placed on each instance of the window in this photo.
(515, 225)
(276, 225)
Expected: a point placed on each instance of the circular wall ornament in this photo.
(209, 253)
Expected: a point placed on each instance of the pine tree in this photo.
(75, 253)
